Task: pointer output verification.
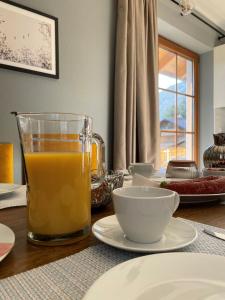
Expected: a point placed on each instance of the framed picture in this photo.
(28, 40)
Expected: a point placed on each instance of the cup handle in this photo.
(176, 201)
(130, 168)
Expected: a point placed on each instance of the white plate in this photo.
(201, 198)
(7, 241)
(6, 188)
(193, 198)
(213, 172)
(178, 234)
(161, 179)
(169, 276)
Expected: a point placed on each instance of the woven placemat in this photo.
(70, 277)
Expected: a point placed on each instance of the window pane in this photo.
(184, 76)
(167, 148)
(185, 113)
(167, 110)
(185, 146)
(167, 70)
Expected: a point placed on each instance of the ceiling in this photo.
(214, 10)
(188, 31)
(167, 64)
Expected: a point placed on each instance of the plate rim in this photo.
(201, 195)
(2, 257)
(188, 195)
(15, 188)
(146, 257)
(141, 250)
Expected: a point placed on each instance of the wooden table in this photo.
(25, 256)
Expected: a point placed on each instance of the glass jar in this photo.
(214, 156)
(56, 152)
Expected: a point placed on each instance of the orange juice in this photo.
(51, 142)
(58, 192)
(94, 157)
(6, 163)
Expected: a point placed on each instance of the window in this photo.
(178, 101)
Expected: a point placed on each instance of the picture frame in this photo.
(28, 40)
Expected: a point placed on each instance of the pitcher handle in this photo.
(97, 161)
(98, 140)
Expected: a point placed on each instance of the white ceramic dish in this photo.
(144, 169)
(177, 234)
(169, 276)
(140, 208)
(161, 179)
(213, 172)
(7, 188)
(192, 198)
(201, 198)
(7, 241)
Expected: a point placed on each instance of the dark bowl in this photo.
(101, 195)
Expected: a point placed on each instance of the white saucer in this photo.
(6, 188)
(178, 234)
(7, 241)
(168, 276)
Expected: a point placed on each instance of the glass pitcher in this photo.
(56, 152)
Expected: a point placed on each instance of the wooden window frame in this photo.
(195, 58)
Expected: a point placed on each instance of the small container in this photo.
(101, 196)
(182, 169)
(214, 156)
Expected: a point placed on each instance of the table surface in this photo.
(26, 256)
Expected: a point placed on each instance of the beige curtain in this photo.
(136, 116)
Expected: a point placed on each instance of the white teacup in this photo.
(144, 212)
(144, 169)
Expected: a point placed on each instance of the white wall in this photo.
(219, 116)
(206, 106)
(196, 36)
(212, 95)
(219, 88)
(186, 31)
(219, 76)
(86, 48)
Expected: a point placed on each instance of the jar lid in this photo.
(219, 139)
(181, 163)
